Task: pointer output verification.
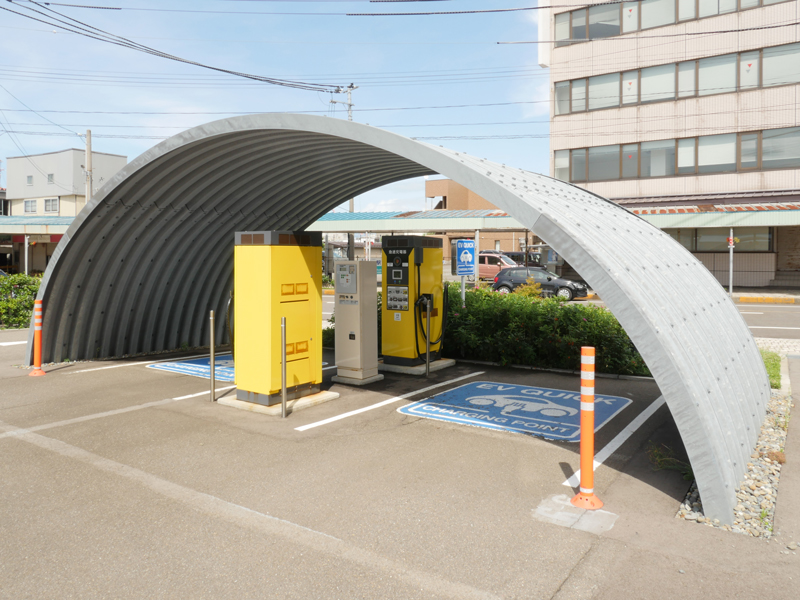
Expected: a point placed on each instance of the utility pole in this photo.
(88, 166)
(351, 250)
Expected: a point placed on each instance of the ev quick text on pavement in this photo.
(546, 412)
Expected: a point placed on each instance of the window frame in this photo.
(51, 200)
(35, 204)
(638, 29)
(695, 173)
(737, 85)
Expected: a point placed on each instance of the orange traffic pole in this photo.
(586, 498)
(37, 340)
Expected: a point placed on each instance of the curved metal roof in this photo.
(141, 266)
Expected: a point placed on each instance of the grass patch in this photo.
(772, 361)
(663, 457)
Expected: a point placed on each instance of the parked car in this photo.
(534, 258)
(507, 280)
(491, 264)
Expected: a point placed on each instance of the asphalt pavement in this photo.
(124, 481)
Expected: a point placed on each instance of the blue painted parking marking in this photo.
(546, 412)
(201, 367)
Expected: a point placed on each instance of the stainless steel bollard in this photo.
(283, 367)
(428, 338)
(213, 357)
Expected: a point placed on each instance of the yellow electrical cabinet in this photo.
(277, 274)
(411, 272)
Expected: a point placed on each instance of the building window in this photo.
(603, 163)
(630, 161)
(562, 98)
(658, 83)
(748, 151)
(630, 17)
(30, 206)
(604, 21)
(615, 19)
(603, 91)
(781, 65)
(716, 153)
(561, 164)
(51, 205)
(686, 156)
(579, 165)
(724, 153)
(562, 29)
(579, 95)
(630, 87)
(657, 12)
(686, 10)
(748, 70)
(686, 79)
(579, 25)
(781, 148)
(658, 158)
(497, 245)
(717, 75)
(51, 178)
(29, 180)
(778, 65)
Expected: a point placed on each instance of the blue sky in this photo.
(407, 62)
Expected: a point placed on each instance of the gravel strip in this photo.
(755, 510)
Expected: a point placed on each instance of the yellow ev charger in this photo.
(412, 271)
(277, 274)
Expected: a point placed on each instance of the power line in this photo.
(95, 33)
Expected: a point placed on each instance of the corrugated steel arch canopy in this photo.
(141, 266)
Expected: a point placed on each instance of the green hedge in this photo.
(546, 333)
(17, 293)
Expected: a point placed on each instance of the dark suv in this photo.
(508, 280)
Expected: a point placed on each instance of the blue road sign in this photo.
(201, 367)
(546, 412)
(465, 257)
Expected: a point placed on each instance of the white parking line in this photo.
(765, 327)
(110, 413)
(13, 343)
(385, 402)
(621, 438)
(137, 364)
(744, 312)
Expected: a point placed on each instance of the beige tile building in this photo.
(688, 109)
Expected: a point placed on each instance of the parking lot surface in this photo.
(124, 481)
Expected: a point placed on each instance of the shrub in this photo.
(530, 289)
(17, 293)
(546, 333)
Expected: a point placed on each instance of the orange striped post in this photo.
(37, 340)
(586, 498)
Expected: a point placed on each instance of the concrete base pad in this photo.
(353, 381)
(437, 365)
(275, 409)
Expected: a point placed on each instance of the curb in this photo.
(766, 299)
(559, 371)
(330, 293)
